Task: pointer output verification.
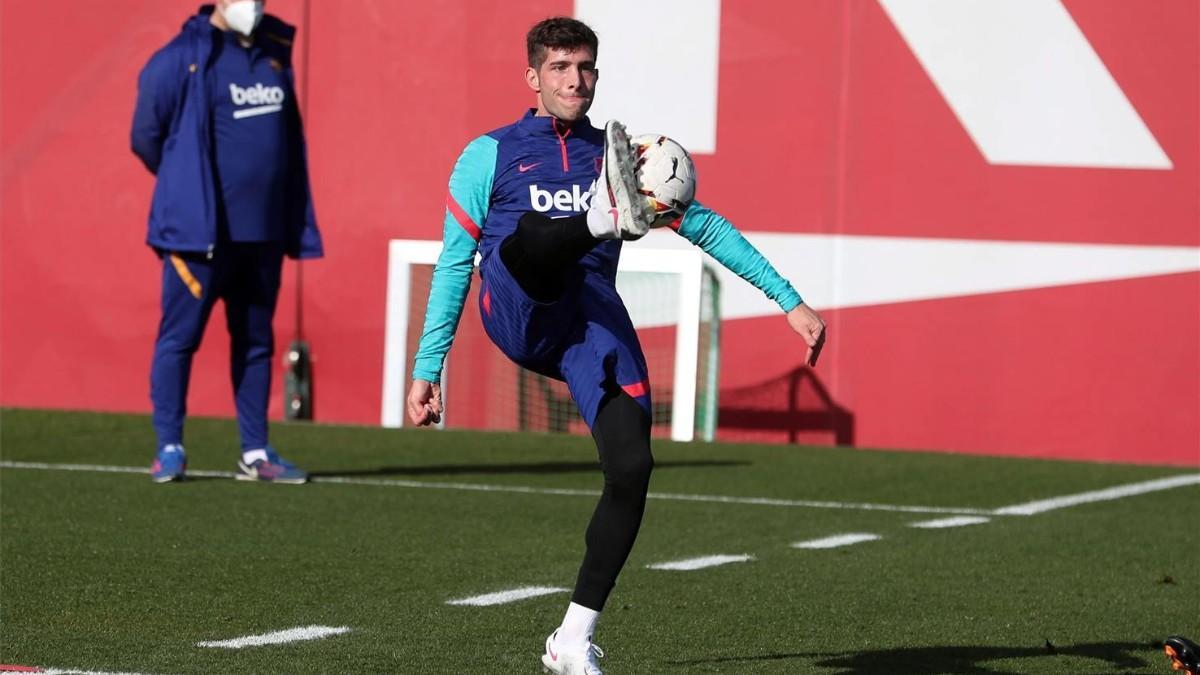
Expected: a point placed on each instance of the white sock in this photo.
(577, 628)
(251, 456)
(601, 216)
(602, 223)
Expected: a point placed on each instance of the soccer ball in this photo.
(665, 175)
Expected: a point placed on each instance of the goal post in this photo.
(673, 299)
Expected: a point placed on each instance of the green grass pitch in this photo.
(106, 571)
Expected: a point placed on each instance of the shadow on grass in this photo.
(1117, 657)
(507, 469)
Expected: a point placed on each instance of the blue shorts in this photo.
(585, 339)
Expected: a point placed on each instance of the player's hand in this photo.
(424, 403)
(811, 327)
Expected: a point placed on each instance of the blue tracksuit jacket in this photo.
(172, 135)
(535, 164)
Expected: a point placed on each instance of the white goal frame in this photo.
(687, 263)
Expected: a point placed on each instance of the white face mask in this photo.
(243, 16)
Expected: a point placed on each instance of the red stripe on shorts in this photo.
(637, 389)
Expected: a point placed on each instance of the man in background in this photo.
(216, 121)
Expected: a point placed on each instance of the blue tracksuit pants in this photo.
(246, 276)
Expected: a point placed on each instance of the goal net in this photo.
(672, 297)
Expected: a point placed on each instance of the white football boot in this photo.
(617, 210)
(571, 662)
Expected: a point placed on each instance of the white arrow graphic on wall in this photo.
(1025, 83)
(883, 270)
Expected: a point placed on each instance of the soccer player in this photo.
(547, 201)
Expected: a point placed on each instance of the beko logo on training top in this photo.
(256, 95)
(575, 199)
(264, 99)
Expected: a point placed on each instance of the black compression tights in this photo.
(541, 251)
(538, 255)
(622, 433)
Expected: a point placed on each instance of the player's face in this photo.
(565, 83)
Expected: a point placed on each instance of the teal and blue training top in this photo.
(542, 164)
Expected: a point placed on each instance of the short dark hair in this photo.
(558, 32)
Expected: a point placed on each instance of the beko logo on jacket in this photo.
(266, 99)
(575, 199)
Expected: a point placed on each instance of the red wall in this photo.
(827, 124)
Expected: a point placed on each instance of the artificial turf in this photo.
(107, 571)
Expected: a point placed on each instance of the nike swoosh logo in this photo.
(526, 167)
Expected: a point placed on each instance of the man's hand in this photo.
(809, 325)
(424, 403)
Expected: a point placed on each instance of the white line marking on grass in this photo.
(102, 468)
(700, 563)
(957, 521)
(855, 506)
(278, 637)
(667, 496)
(837, 540)
(469, 487)
(75, 671)
(1027, 509)
(502, 597)
(1107, 494)
(521, 489)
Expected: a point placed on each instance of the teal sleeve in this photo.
(466, 208)
(716, 236)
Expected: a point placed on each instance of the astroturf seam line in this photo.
(522, 489)
(1106, 494)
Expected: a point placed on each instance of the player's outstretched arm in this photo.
(809, 325)
(424, 403)
(717, 237)
(467, 204)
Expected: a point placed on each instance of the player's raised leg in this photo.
(617, 209)
(542, 248)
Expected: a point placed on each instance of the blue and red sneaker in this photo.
(266, 465)
(170, 464)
